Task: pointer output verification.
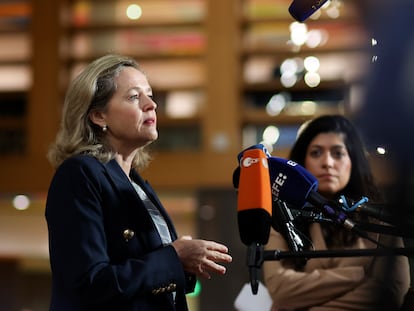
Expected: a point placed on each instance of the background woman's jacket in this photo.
(338, 283)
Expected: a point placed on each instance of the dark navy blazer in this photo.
(105, 252)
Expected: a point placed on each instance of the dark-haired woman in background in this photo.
(330, 148)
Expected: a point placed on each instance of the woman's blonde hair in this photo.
(91, 91)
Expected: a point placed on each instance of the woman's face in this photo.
(130, 116)
(328, 160)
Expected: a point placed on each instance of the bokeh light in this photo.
(381, 150)
(298, 33)
(312, 79)
(134, 11)
(276, 104)
(311, 63)
(271, 135)
(21, 202)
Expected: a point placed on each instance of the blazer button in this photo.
(128, 234)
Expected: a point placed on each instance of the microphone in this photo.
(302, 9)
(236, 173)
(303, 215)
(282, 221)
(254, 200)
(254, 206)
(378, 211)
(293, 184)
(383, 213)
(257, 146)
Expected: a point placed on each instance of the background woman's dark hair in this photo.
(361, 181)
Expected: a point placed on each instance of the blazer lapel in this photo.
(131, 200)
(154, 198)
(132, 205)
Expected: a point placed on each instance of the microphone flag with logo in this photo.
(291, 182)
(254, 200)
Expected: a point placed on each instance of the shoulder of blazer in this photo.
(79, 161)
(90, 164)
(91, 170)
(80, 165)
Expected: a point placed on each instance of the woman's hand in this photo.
(201, 257)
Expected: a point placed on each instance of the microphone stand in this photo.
(254, 260)
(403, 232)
(278, 254)
(256, 254)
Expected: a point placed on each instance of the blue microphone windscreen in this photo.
(290, 182)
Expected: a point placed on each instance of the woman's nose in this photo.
(149, 104)
(327, 160)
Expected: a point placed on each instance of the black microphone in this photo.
(302, 9)
(283, 222)
(308, 216)
(376, 210)
(383, 213)
(331, 210)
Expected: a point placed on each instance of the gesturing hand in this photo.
(201, 257)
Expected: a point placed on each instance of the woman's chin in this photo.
(327, 193)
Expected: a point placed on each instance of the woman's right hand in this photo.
(201, 257)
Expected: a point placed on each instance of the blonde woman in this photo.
(112, 244)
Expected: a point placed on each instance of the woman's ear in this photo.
(97, 118)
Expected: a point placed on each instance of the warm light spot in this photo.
(298, 33)
(288, 79)
(181, 104)
(333, 12)
(311, 63)
(276, 104)
(312, 79)
(316, 37)
(134, 11)
(381, 150)
(21, 202)
(308, 107)
(289, 66)
(271, 135)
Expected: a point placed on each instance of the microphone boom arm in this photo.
(278, 254)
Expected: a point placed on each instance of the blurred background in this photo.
(225, 74)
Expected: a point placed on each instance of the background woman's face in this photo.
(328, 160)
